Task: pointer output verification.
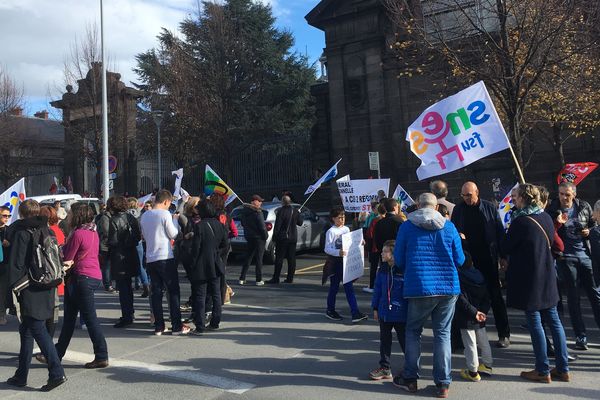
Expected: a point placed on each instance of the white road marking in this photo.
(180, 373)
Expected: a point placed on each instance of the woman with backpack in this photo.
(123, 237)
(82, 280)
(36, 303)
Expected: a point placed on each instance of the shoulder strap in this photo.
(543, 230)
(211, 229)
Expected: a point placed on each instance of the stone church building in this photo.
(364, 106)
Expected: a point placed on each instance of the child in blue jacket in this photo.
(389, 308)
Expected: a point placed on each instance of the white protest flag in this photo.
(505, 207)
(357, 194)
(185, 196)
(456, 132)
(403, 198)
(12, 197)
(327, 176)
(144, 199)
(354, 260)
(178, 178)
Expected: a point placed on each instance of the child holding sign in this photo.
(333, 248)
(389, 308)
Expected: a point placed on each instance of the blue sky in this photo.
(37, 35)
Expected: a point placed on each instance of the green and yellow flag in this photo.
(214, 184)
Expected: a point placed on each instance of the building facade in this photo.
(364, 105)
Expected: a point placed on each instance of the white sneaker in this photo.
(367, 290)
(260, 283)
(184, 331)
(241, 282)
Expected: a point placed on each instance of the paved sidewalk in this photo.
(275, 343)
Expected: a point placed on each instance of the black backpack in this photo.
(46, 267)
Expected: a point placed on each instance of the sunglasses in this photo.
(6, 215)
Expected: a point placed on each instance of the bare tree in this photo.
(82, 74)
(11, 155)
(513, 45)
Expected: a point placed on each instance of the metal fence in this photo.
(266, 165)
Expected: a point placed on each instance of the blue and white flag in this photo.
(403, 198)
(327, 176)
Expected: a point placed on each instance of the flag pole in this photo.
(514, 157)
(306, 201)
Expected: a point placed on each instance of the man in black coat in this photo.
(256, 236)
(575, 266)
(387, 228)
(36, 303)
(285, 235)
(5, 216)
(479, 223)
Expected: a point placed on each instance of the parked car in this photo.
(310, 234)
(66, 200)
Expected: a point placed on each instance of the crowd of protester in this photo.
(435, 261)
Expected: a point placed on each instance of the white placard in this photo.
(354, 260)
(357, 194)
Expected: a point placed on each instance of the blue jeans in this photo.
(105, 269)
(143, 276)
(163, 274)
(574, 271)
(125, 298)
(29, 330)
(538, 339)
(334, 286)
(79, 297)
(441, 310)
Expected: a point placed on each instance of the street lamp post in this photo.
(157, 115)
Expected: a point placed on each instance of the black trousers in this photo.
(385, 340)
(285, 249)
(374, 258)
(200, 291)
(256, 247)
(489, 270)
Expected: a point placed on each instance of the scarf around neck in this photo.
(525, 211)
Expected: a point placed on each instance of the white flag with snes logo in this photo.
(456, 132)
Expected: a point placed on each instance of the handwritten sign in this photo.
(354, 260)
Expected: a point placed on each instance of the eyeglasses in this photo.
(6, 215)
(466, 195)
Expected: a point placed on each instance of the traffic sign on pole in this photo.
(112, 164)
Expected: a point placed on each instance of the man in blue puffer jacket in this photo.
(429, 251)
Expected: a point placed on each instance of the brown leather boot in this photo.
(560, 376)
(536, 376)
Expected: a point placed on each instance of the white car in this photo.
(310, 234)
(67, 199)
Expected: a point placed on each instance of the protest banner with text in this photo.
(357, 194)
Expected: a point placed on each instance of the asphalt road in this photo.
(275, 343)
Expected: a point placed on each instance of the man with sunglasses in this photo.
(5, 216)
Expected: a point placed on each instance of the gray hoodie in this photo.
(427, 218)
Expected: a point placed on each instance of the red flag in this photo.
(575, 172)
